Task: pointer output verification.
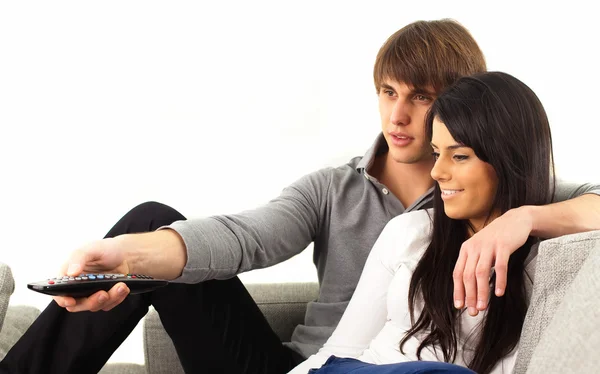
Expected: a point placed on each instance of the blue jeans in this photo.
(336, 365)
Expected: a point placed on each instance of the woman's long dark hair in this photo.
(503, 121)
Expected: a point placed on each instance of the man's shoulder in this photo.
(349, 169)
(345, 179)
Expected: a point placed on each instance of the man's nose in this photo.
(400, 115)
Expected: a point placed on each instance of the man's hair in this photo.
(505, 124)
(428, 54)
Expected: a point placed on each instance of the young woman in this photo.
(493, 150)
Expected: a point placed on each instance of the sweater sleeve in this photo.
(569, 190)
(367, 311)
(220, 247)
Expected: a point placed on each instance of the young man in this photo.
(213, 322)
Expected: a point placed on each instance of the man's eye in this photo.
(435, 155)
(389, 92)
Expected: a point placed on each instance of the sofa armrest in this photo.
(570, 342)
(558, 263)
(283, 304)
(7, 286)
(17, 321)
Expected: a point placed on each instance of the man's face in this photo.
(402, 110)
(468, 184)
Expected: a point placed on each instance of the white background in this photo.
(215, 106)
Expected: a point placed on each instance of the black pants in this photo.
(215, 326)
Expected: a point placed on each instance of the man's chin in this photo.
(406, 158)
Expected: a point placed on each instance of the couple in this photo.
(428, 277)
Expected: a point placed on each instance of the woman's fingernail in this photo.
(121, 290)
(101, 299)
(498, 292)
(457, 304)
(472, 311)
(480, 304)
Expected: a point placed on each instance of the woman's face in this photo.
(468, 184)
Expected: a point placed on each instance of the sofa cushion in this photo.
(558, 262)
(283, 304)
(122, 368)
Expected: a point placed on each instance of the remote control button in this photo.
(50, 282)
(92, 277)
(84, 278)
(100, 276)
(77, 278)
(71, 278)
(133, 276)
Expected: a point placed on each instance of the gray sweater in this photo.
(342, 210)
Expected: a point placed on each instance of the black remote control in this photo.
(87, 284)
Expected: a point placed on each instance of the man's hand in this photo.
(490, 247)
(160, 254)
(102, 256)
(493, 245)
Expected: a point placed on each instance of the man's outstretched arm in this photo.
(211, 248)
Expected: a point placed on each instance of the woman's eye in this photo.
(435, 155)
(460, 157)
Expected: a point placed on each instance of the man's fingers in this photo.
(92, 303)
(78, 261)
(83, 259)
(100, 300)
(64, 301)
(482, 273)
(501, 268)
(457, 277)
(116, 294)
(470, 281)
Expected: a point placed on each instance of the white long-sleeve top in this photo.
(378, 316)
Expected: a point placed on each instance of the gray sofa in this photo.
(561, 332)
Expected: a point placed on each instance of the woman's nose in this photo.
(439, 171)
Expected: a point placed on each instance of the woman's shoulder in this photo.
(418, 222)
(406, 236)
